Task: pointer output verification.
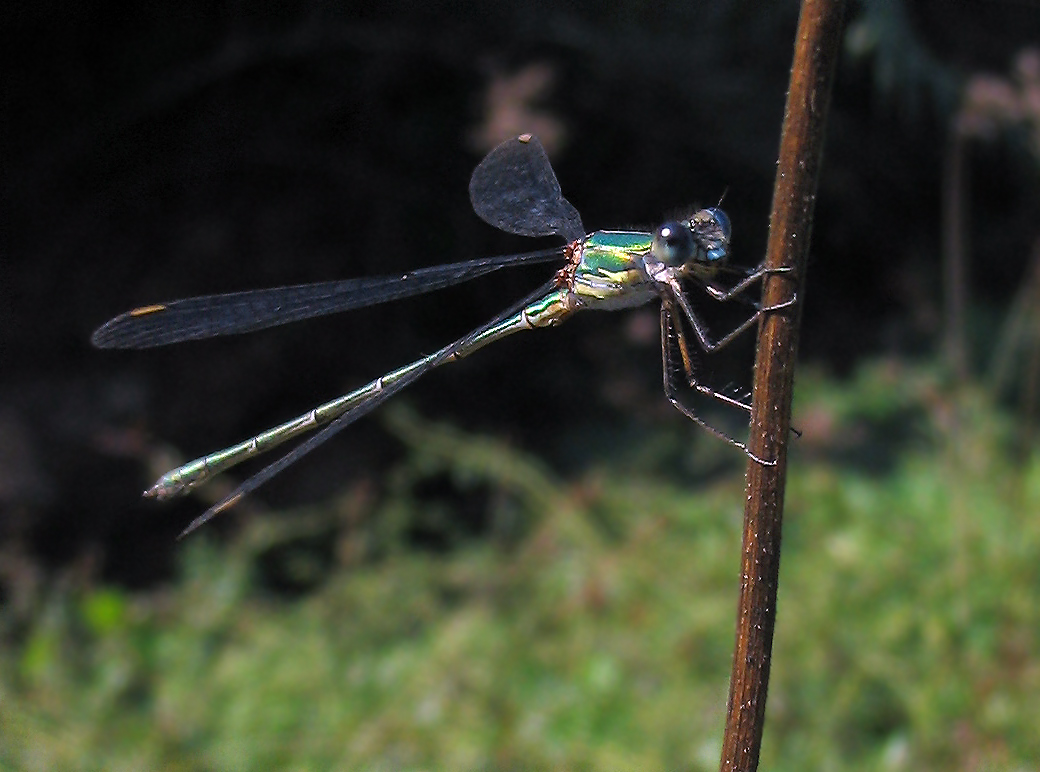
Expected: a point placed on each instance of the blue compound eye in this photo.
(722, 219)
(673, 243)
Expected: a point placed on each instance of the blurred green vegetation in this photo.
(590, 626)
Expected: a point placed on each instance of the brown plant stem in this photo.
(790, 225)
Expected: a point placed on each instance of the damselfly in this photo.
(514, 189)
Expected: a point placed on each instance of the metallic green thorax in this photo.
(610, 272)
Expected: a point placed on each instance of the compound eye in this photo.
(673, 243)
(722, 219)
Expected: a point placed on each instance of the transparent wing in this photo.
(211, 315)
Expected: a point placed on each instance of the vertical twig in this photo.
(955, 251)
(1017, 350)
(808, 98)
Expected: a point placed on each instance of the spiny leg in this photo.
(671, 329)
(701, 330)
(715, 394)
(689, 368)
(757, 273)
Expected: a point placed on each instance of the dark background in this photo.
(155, 151)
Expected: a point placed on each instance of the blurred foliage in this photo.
(588, 627)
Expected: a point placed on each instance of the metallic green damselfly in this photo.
(515, 189)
